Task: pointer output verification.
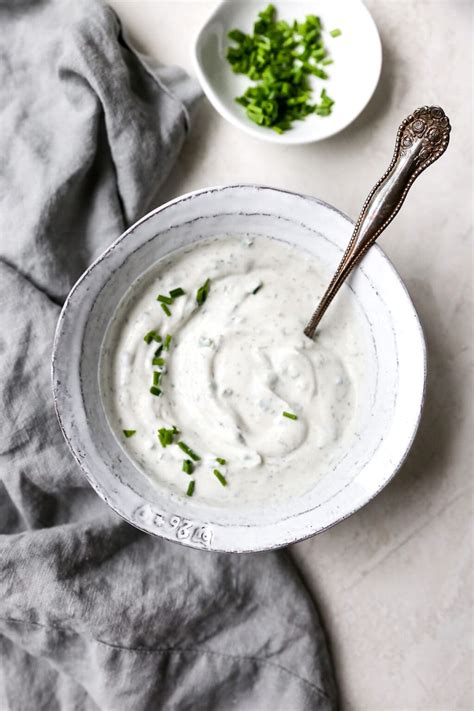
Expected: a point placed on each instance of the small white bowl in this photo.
(390, 404)
(353, 76)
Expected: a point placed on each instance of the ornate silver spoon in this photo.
(421, 139)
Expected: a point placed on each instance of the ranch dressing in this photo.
(235, 364)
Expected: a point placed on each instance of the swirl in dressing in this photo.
(236, 363)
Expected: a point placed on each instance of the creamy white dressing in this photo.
(235, 364)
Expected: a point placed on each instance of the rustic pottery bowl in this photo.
(389, 408)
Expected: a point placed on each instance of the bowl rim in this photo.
(58, 397)
(285, 139)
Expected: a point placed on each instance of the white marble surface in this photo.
(394, 582)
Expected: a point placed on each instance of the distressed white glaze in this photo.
(391, 397)
(234, 366)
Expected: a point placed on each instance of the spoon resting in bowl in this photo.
(421, 139)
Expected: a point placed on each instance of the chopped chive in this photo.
(188, 466)
(257, 289)
(155, 391)
(156, 377)
(220, 460)
(166, 436)
(335, 33)
(327, 62)
(203, 292)
(152, 336)
(167, 342)
(174, 293)
(279, 58)
(319, 53)
(158, 361)
(190, 489)
(129, 433)
(164, 299)
(157, 352)
(325, 99)
(290, 415)
(187, 450)
(220, 477)
(166, 309)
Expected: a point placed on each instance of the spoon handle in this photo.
(421, 139)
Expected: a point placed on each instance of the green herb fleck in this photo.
(220, 460)
(166, 436)
(290, 415)
(157, 352)
(220, 477)
(158, 361)
(187, 450)
(129, 433)
(188, 466)
(335, 33)
(203, 292)
(155, 391)
(164, 299)
(167, 342)
(323, 111)
(257, 289)
(156, 377)
(279, 58)
(152, 336)
(325, 99)
(174, 293)
(166, 309)
(190, 489)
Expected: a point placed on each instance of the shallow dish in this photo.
(353, 76)
(392, 399)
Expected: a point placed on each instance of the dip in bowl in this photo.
(246, 435)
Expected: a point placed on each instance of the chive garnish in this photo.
(220, 460)
(220, 477)
(203, 292)
(158, 361)
(166, 309)
(188, 466)
(167, 342)
(155, 391)
(279, 58)
(156, 377)
(323, 110)
(327, 62)
(166, 436)
(157, 352)
(257, 289)
(335, 33)
(290, 415)
(174, 293)
(164, 299)
(152, 336)
(129, 433)
(190, 489)
(187, 450)
(326, 100)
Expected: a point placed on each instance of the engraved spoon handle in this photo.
(421, 139)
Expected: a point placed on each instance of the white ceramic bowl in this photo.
(353, 76)
(390, 404)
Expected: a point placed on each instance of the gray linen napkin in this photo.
(94, 614)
